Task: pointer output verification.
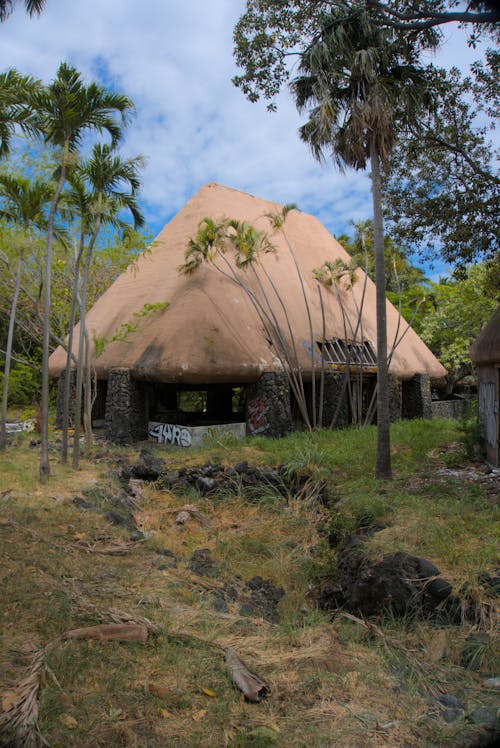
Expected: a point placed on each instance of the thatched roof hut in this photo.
(210, 331)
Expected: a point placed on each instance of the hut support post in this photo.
(396, 399)
(416, 397)
(268, 409)
(126, 408)
(334, 411)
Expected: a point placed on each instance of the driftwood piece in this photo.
(123, 632)
(189, 511)
(252, 686)
(122, 616)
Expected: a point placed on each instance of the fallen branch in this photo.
(120, 616)
(252, 686)
(123, 632)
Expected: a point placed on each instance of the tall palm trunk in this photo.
(44, 436)
(81, 344)
(88, 398)
(383, 461)
(8, 353)
(67, 371)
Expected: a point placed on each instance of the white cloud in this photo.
(174, 59)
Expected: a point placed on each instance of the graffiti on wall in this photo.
(168, 433)
(256, 415)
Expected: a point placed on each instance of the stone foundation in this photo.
(333, 392)
(395, 398)
(417, 402)
(126, 418)
(268, 406)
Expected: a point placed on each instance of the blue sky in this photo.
(174, 59)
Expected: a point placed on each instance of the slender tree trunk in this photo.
(8, 354)
(81, 346)
(383, 461)
(88, 400)
(44, 436)
(67, 380)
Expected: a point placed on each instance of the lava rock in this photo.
(426, 569)
(205, 485)
(219, 604)
(450, 701)
(440, 589)
(82, 504)
(397, 582)
(117, 519)
(263, 599)
(202, 563)
(148, 467)
(451, 715)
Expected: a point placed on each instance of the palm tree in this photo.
(361, 85)
(67, 110)
(77, 204)
(15, 111)
(32, 7)
(112, 186)
(24, 205)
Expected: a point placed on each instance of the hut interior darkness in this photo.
(251, 349)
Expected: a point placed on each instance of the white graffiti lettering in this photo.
(169, 433)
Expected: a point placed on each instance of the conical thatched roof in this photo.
(486, 347)
(210, 331)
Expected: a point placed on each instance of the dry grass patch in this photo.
(333, 682)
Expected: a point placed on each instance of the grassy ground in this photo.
(335, 681)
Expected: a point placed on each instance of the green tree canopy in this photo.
(443, 189)
(269, 34)
(406, 285)
(461, 308)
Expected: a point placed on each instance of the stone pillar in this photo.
(268, 406)
(126, 412)
(334, 390)
(60, 398)
(417, 402)
(395, 398)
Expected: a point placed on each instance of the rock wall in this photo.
(416, 397)
(268, 406)
(126, 418)
(334, 391)
(448, 408)
(395, 398)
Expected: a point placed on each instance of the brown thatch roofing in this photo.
(486, 347)
(210, 332)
